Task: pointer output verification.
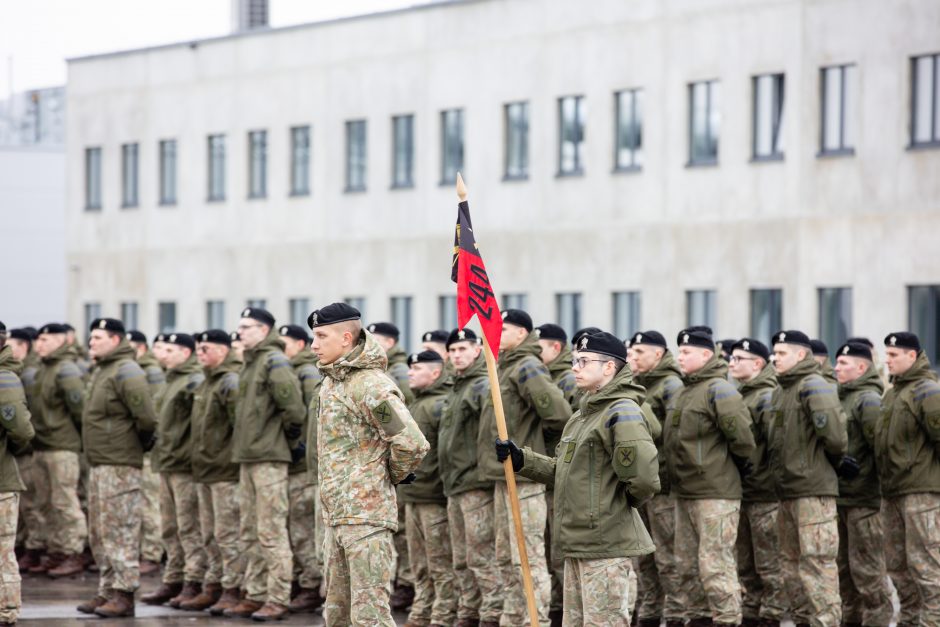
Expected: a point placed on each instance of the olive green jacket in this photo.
(173, 452)
(156, 378)
(119, 412)
(827, 372)
(861, 402)
(58, 401)
(606, 467)
(460, 429)
(270, 401)
(760, 485)
(563, 377)
(663, 384)
(304, 364)
(16, 429)
(907, 441)
(213, 424)
(427, 409)
(808, 424)
(398, 371)
(531, 402)
(708, 424)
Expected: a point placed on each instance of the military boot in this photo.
(210, 594)
(29, 559)
(271, 611)
(46, 563)
(68, 567)
(468, 622)
(649, 622)
(674, 622)
(148, 568)
(120, 604)
(164, 593)
(307, 600)
(244, 609)
(190, 591)
(89, 607)
(489, 623)
(229, 599)
(402, 597)
(701, 622)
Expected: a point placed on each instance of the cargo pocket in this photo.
(925, 521)
(819, 532)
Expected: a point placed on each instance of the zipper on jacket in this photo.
(591, 475)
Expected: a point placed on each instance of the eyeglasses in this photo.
(734, 358)
(582, 362)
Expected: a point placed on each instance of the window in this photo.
(168, 172)
(768, 121)
(835, 315)
(700, 308)
(299, 310)
(626, 313)
(359, 302)
(356, 156)
(92, 178)
(923, 317)
(401, 318)
(215, 314)
(300, 161)
(216, 167)
(766, 313)
(838, 87)
(403, 148)
(129, 175)
(259, 303)
(92, 311)
(451, 145)
(628, 134)
(571, 110)
(447, 312)
(704, 122)
(568, 312)
(166, 317)
(516, 301)
(925, 100)
(129, 315)
(257, 164)
(517, 140)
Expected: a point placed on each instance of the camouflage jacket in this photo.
(366, 440)
(427, 409)
(398, 371)
(173, 452)
(156, 378)
(119, 412)
(606, 466)
(760, 485)
(304, 364)
(16, 429)
(269, 401)
(861, 402)
(663, 384)
(58, 400)
(213, 423)
(563, 377)
(460, 429)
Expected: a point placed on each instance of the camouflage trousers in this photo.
(303, 522)
(151, 543)
(534, 510)
(473, 540)
(912, 552)
(706, 530)
(55, 477)
(554, 559)
(359, 575)
(657, 580)
(863, 583)
(179, 523)
(400, 541)
(114, 526)
(264, 539)
(809, 541)
(432, 568)
(759, 573)
(31, 525)
(10, 602)
(597, 592)
(218, 524)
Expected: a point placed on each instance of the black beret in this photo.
(652, 338)
(257, 313)
(855, 349)
(295, 332)
(425, 357)
(903, 339)
(108, 324)
(819, 348)
(182, 339)
(53, 327)
(602, 343)
(20, 334)
(704, 328)
(461, 335)
(861, 340)
(136, 336)
(385, 328)
(215, 336)
(332, 314)
(581, 333)
(68, 327)
(435, 336)
(792, 337)
(159, 337)
(518, 318)
(726, 344)
(551, 331)
(32, 332)
(234, 336)
(752, 346)
(696, 336)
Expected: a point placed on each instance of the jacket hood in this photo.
(620, 387)
(802, 368)
(365, 355)
(868, 381)
(714, 368)
(7, 361)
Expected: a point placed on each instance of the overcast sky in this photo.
(36, 36)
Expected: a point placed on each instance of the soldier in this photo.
(367, 442)
(268, 425)
(725, 347)
(758, 547)
(436, 341)
(387, 334)
(159, 345)
(906, 445)
(237, 346)
(16, 431)
(533, 405)
(866, 599)
(606, 466)
(656, 370)
(117, 426)
(707, 443)
(303, 514)
(213, 420)
(426, 524)
(179, 504)
(77, 352)
(807, 443)
(57, 418)
(821, 355)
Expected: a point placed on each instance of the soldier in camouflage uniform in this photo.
(118, 424)
(606, 466)
(367, 442)
(807, 446)
(907, 442)
(16, 431)
(707, 444)
(866, 599)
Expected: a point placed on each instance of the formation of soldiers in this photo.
(276, 471)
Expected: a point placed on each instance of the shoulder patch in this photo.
(8, 412)
(389, 420)
(74, 397)
(820, 421)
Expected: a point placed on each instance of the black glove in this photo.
(408, 480)
(847, 468)
(293, 431)
(745, 467)
(298, 453)
(508, 448)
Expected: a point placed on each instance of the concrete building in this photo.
(643, 164)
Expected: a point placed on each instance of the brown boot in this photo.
(148, 568)
(161, 595)
(468, 622)
(190, 591)
(47, 562)
(402, 597)
(244, 609)
(307, 600)
(69, 567)
(211, 593)
(89, 607)
(29, 559)
(271, 611)
(120, 604)
(229, 599)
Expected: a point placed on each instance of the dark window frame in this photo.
(445, 174)
(258, 142)
(508, 134)
(162, 152)
(842, 150)
(128, 149)
(363, 164)
(296, 189)
(934, 142)
(409, 182)
(215, 144)
(578, 168)
(694, 161)
(779, 102)
(633, 166)
(93, 201)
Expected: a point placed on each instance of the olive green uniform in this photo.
(151, 543)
